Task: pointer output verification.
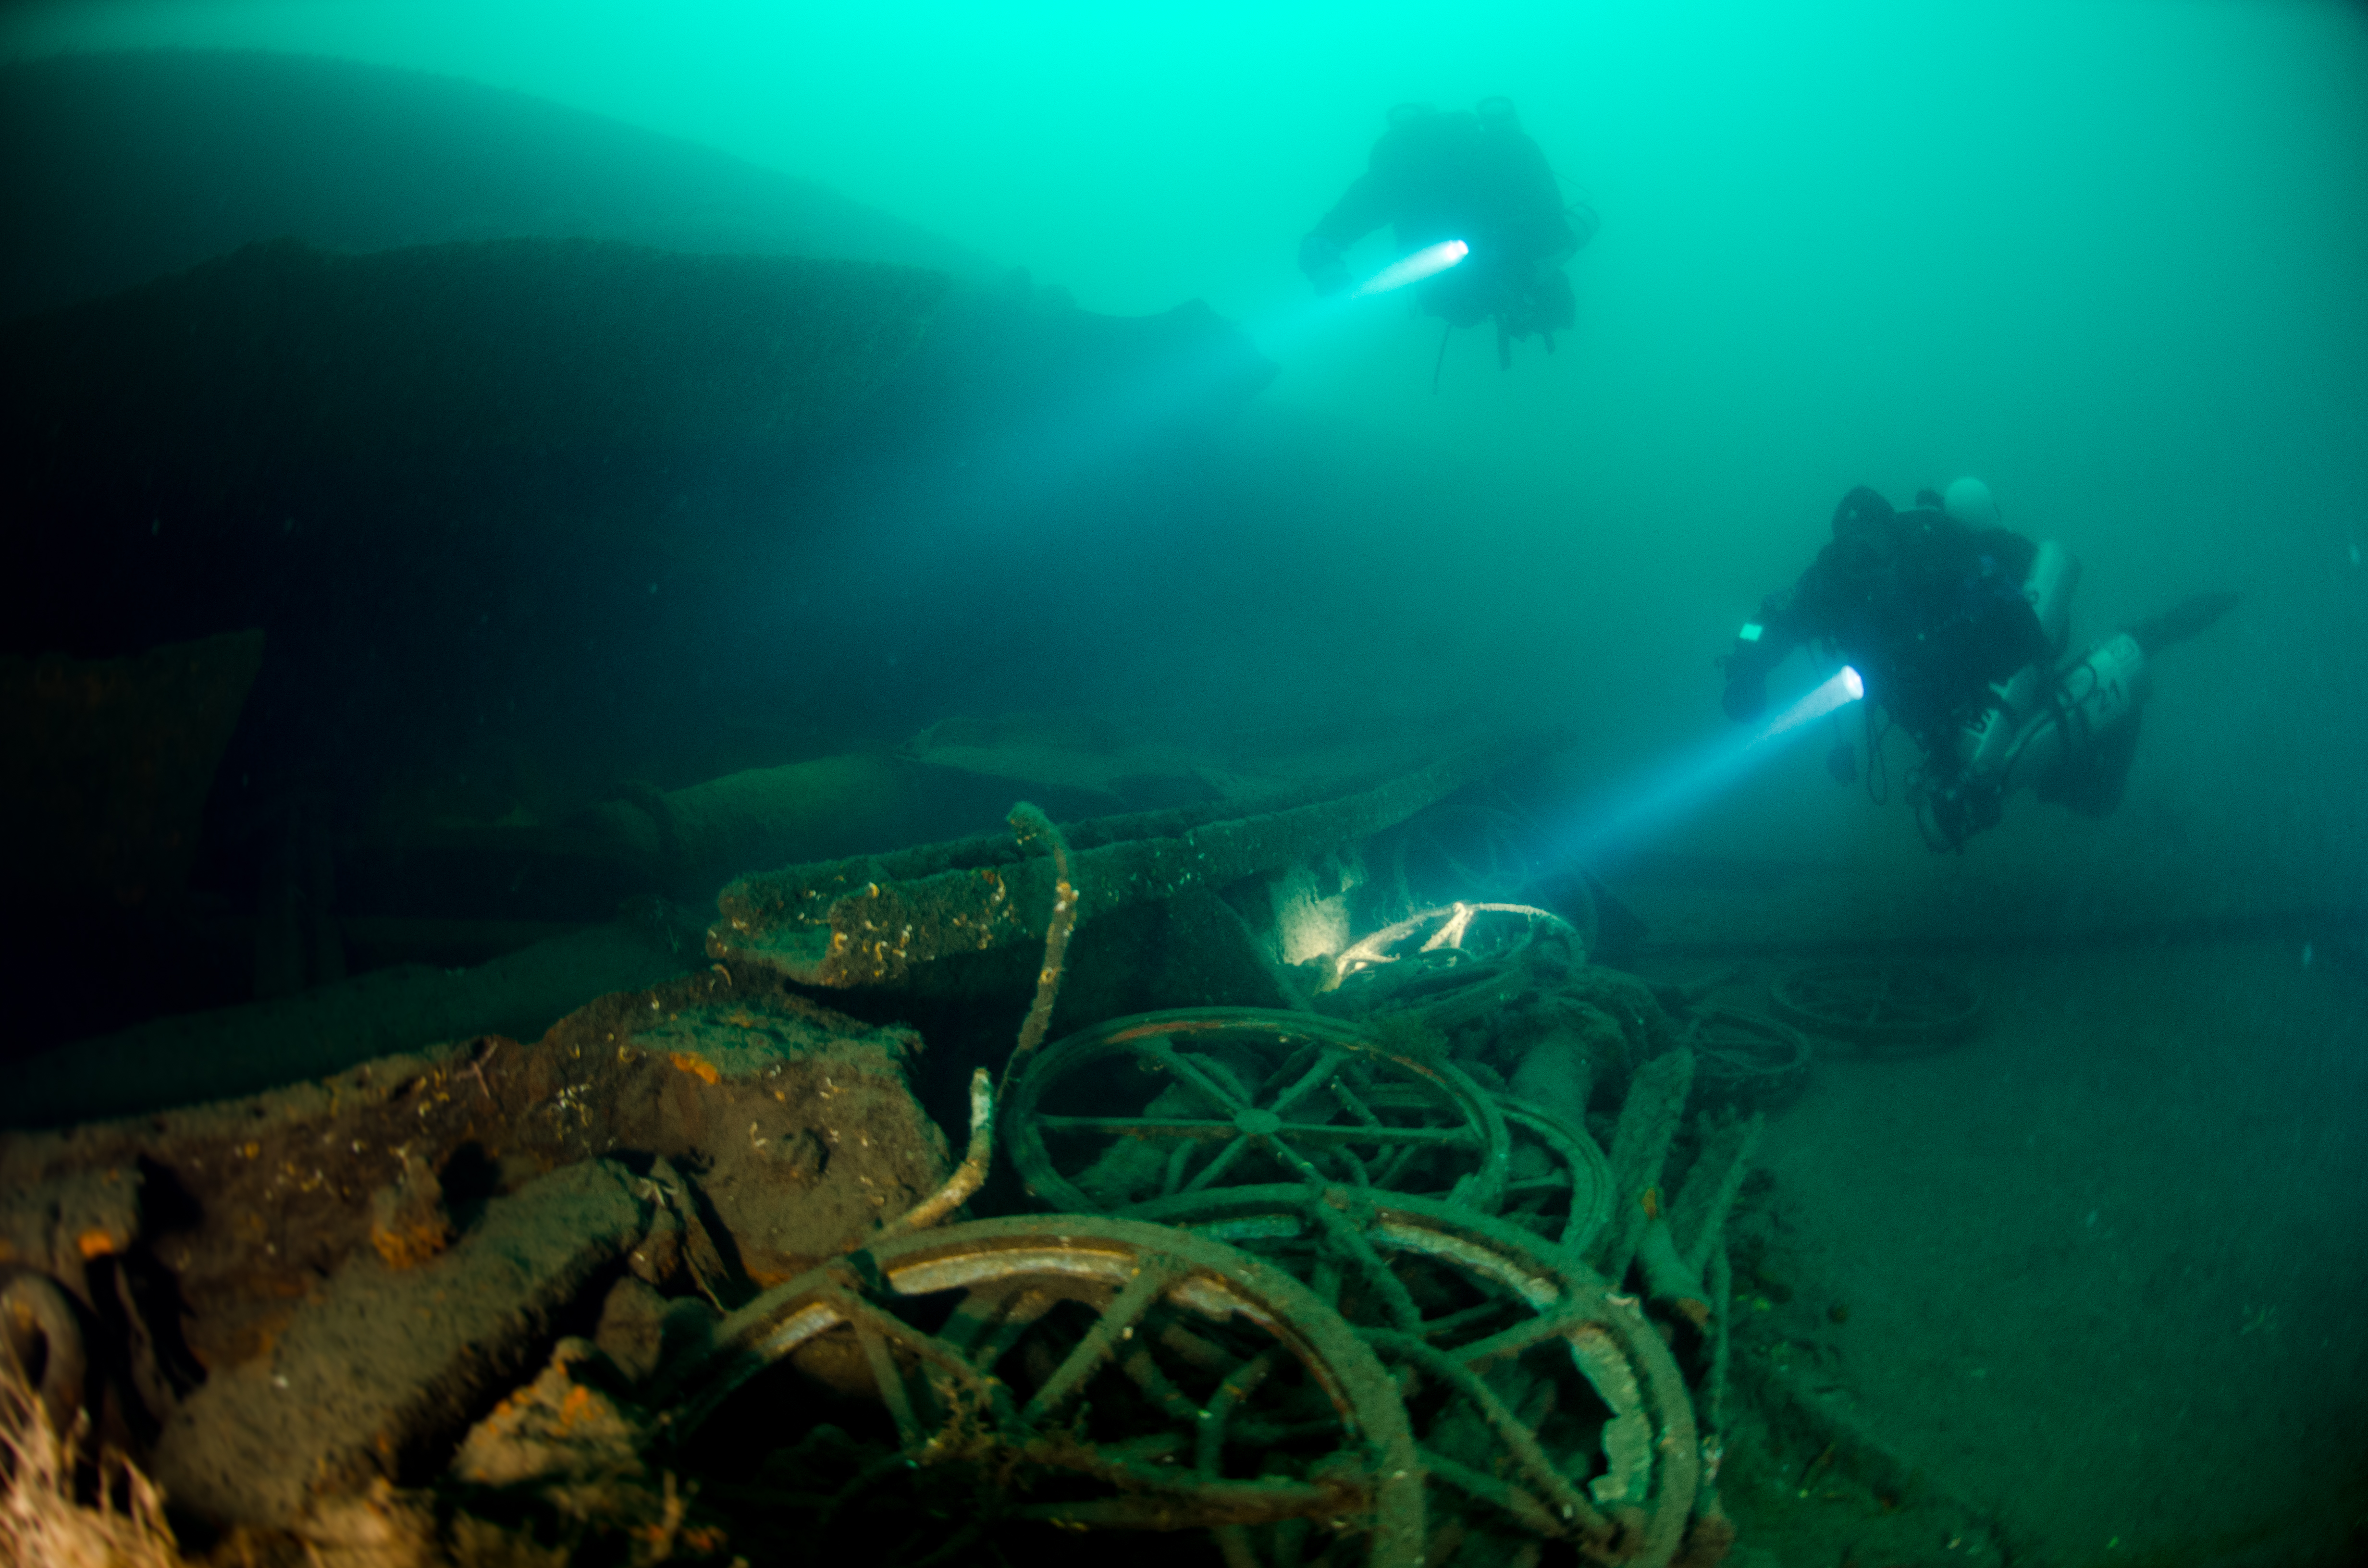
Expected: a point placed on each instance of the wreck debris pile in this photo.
(1427, 1264)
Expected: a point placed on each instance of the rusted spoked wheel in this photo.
(1561, 1186)
(1442, 954)
(1544, 1404)
(1744, 1058)
(1882, 1007)
(1477, 932)
(1205, 1097)
(1087, 1373)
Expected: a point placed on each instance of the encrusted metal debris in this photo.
(866, 921)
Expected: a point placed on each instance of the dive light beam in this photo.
(1842, 689)
(1657, 799)
(1424, 263)
(1281, 336)
(1074, 437)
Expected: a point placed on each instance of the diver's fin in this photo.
(2181, 622)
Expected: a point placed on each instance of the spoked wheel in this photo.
(1544, 1405)
(1444, 953)
(1884, 1009)
(1475, 932)
(1207, 1097)
(1744, 1058)
(1088, 1374)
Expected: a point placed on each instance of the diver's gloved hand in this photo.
(1322, 261)
(1747, 693)
(1747, 666)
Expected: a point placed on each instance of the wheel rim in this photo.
(1742, 1058)
(1883, 1009)
(1530, 1296)
(1274, 1411)
(1578, 1183)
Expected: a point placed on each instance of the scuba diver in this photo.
(1474, 178)
(1958, 628)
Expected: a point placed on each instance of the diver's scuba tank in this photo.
(2073, 711)
(1988, 741)
(2101, 690)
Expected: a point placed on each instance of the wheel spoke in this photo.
(1290, 1157)
(1219, 1166)
(1239, 1384)
(1345, 1237)
(1017, 1318)
(1519, 1337)
(1327, 1061)
(1179, 1162)
(1187, 1072)
(890, 1378)
(1536, 1466)
(1150, 1283)
(1156, 1385)
(1347, 1156)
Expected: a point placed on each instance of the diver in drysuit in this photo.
(1474, 178)
(1959, 628)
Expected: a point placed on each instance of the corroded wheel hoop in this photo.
(1583, 1164)
(1079, 1252)
(1023, 1136)
(1746, 1058)
(1883, 1008)
(1615, 1346)
(1447, 928)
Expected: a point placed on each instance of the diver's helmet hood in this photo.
(1969, 503)
(1862, 512)
(1865, 532)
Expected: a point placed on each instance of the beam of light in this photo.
(1838, 691)
(1424, 263)
(1659, 799)
(1074, 436)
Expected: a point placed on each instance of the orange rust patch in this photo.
(95, 1244)
(1651, 1203)
(697, 1066)
(411, 1245)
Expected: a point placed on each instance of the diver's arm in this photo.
(1364, 208)
(1759, 647)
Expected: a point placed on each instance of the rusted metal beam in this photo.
(866, 920)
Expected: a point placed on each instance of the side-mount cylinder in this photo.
(2104, 688)
(1989, 741)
